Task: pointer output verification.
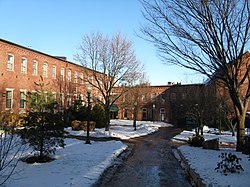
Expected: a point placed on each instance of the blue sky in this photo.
(56, 27)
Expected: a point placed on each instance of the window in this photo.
(173, 96)
(81, 97)
(22, 98)
(68, 100)
(53, 72)
(144, 113)
(75, 77)
(183, 96)
(143, 98)
(9, 98)
(54, 95)
(91, 79)
(61, 100)
(82, 81)
(124, 98)
(24, 65)
(75, 98)
(153, 96)
(162, 100)
(62, 74)
(10, 64)
(69, 75)
(125, 114)
(34, 67)
(45, 70)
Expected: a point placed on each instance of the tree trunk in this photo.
(107, 117)
(240, 132)
(135, 118)
(42, 140)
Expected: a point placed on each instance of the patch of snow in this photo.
(205, 161)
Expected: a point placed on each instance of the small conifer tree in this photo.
(43, 129)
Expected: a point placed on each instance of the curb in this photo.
(195, 178)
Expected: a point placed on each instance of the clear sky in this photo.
(56, 27)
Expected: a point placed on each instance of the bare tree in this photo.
(111, 62)
(135, 96)
(209, 37)
(11, 148)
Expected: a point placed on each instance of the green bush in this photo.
(77, 112)
(43, 131)
(196, 140)
(82, 125)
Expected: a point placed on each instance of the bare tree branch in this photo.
(209, 37)
(111, 62)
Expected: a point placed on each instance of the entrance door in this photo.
(162, 114)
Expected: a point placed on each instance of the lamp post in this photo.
(135, 115)
(89, 89)
(153, 113)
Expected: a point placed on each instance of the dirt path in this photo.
(149, 164)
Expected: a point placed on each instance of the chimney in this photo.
(62, 57)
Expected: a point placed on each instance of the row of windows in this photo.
(144, 112)
(9, 99)
(144, 98)
(10, 67)
(22, 98)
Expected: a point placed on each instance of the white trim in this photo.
(25, 67)
(53, 74)
(45, 69)
(12, 64)
(11, 104)
(24, 91)
(36, 67)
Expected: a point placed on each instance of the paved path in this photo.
(149, 164)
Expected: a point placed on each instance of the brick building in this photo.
(20, 67)
(157, 103)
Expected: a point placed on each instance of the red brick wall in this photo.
(25, 81)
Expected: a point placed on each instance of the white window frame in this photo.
(45, 70)
(24, 105)
(75, 77)
(34, 67)
(62, 74)
(53, 72)
(11, 62)
(82, 78)
(54, 95)
(11, 99)
(69, 75)
(24, 65)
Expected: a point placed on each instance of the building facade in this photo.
(21, 67)
(158, 103)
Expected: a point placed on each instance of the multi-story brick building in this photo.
(157, 103)
(20, 67)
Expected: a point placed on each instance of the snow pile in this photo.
(224, 137)
(204, 161)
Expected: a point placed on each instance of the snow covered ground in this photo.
(79, 164)
(205, 161)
